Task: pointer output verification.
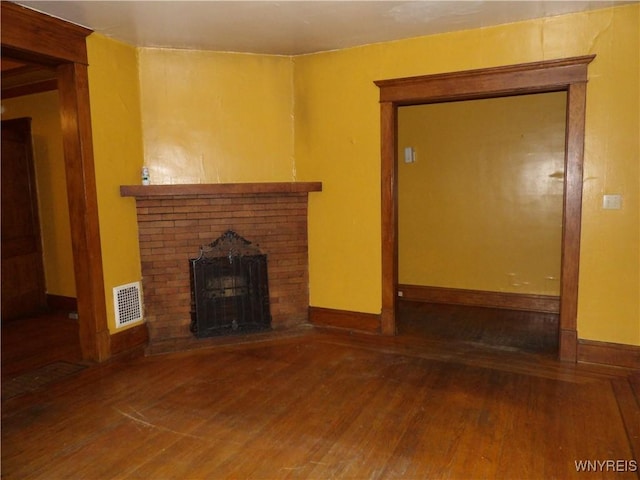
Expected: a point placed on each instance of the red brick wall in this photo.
(172, 229)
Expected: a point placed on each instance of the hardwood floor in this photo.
(36, 341)
(495, 328)
(320, 404)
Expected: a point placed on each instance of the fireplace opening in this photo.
(229, 288)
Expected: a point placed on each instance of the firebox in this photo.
(229, 288)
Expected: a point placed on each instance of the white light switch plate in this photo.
(409, 155)
(612, 202)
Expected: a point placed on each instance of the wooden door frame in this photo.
(568, 75)
(35, 37)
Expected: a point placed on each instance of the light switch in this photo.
(612, 202)
(409, 155)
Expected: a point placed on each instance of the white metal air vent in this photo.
(127, 303)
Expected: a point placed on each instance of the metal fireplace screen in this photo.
(229, 288)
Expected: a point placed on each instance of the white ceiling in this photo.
(293, 27)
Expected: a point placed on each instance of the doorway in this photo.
(568, 75)
(479, 219)
(39, 325)
(23, 286)
(39, 39)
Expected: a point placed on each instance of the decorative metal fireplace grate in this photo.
(229, 288)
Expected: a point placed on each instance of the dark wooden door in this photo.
(23, 289)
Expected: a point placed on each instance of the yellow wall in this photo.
(338, 142)
(481, 207)
(43, 108)
(213, 117)
(191, 117)
(117, 146)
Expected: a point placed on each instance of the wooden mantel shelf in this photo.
(147, 191)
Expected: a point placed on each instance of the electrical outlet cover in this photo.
(612, 202)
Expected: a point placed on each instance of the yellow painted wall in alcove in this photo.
(480, 208)
(44, 111)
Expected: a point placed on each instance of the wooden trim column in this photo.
(83, 209)
(389, 121)
(572, 220)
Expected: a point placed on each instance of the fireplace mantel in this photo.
(150, 191)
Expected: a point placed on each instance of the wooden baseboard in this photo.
(129, 339)
(345, 320)
(60, 302)
(479, 298)
(616, 354)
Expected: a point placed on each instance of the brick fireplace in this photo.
(174, 221)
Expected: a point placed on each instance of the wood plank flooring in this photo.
(514, 330)
(36, 341)
(319, 404)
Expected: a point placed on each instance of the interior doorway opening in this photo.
(27, 37)
(23, 284)
(39, 319)
(568, 75)
(480, 188)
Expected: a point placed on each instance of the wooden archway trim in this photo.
(29, 35)
(34, 36)
(570, 75)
